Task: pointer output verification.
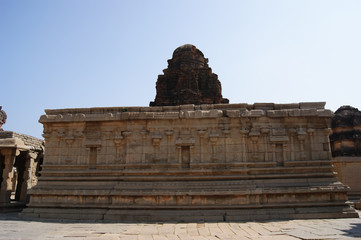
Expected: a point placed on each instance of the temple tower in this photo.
(188, 80)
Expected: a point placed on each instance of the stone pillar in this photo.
(30, 169)
(26, 182)
(8, 174)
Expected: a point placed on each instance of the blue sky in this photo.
(84, 53)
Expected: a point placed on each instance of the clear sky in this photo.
(91, 53)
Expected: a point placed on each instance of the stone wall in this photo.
(189, 162)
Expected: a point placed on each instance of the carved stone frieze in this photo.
(255, 155)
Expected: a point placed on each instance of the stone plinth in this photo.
(189, 162)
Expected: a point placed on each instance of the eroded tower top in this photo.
(188, 80)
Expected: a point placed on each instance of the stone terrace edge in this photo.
(303, 109)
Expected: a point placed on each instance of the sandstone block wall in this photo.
(221, 159)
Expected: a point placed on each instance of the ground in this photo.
(13, 227)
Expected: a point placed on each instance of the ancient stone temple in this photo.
(20, 158)
(188, 80)
(189, 162)
(346, 148)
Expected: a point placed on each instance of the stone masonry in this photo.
(188, 80)
(189, 162)
(191, 156)
(20, 158)
(346, 148)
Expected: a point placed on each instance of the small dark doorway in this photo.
(279, 154)
(186, 157)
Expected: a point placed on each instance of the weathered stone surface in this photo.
(188, 80)
(348, 170)
(346, 132)
(312, 105)
(20, 159)
(346, 148)
(13, 227)
(204, 161)
(2, 117)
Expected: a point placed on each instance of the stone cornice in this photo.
(271, 110)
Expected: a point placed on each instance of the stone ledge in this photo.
(311, 109)
(196, 215)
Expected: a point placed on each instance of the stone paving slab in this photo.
(12, 227)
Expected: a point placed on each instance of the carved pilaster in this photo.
(292, 133)
(60, 135)
(143, 134)
(119, 141)
(69, 140)
(126, 135)
(265, 135)
(301, 135)
(226, 133)
(169, 134)
(156, 139)
(201, 134)
(179, 148)
(244, 133)
(213, 138)
(311, 132)
(254, 135)
(79, 138)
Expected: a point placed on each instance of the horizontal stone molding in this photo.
(187, 111)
